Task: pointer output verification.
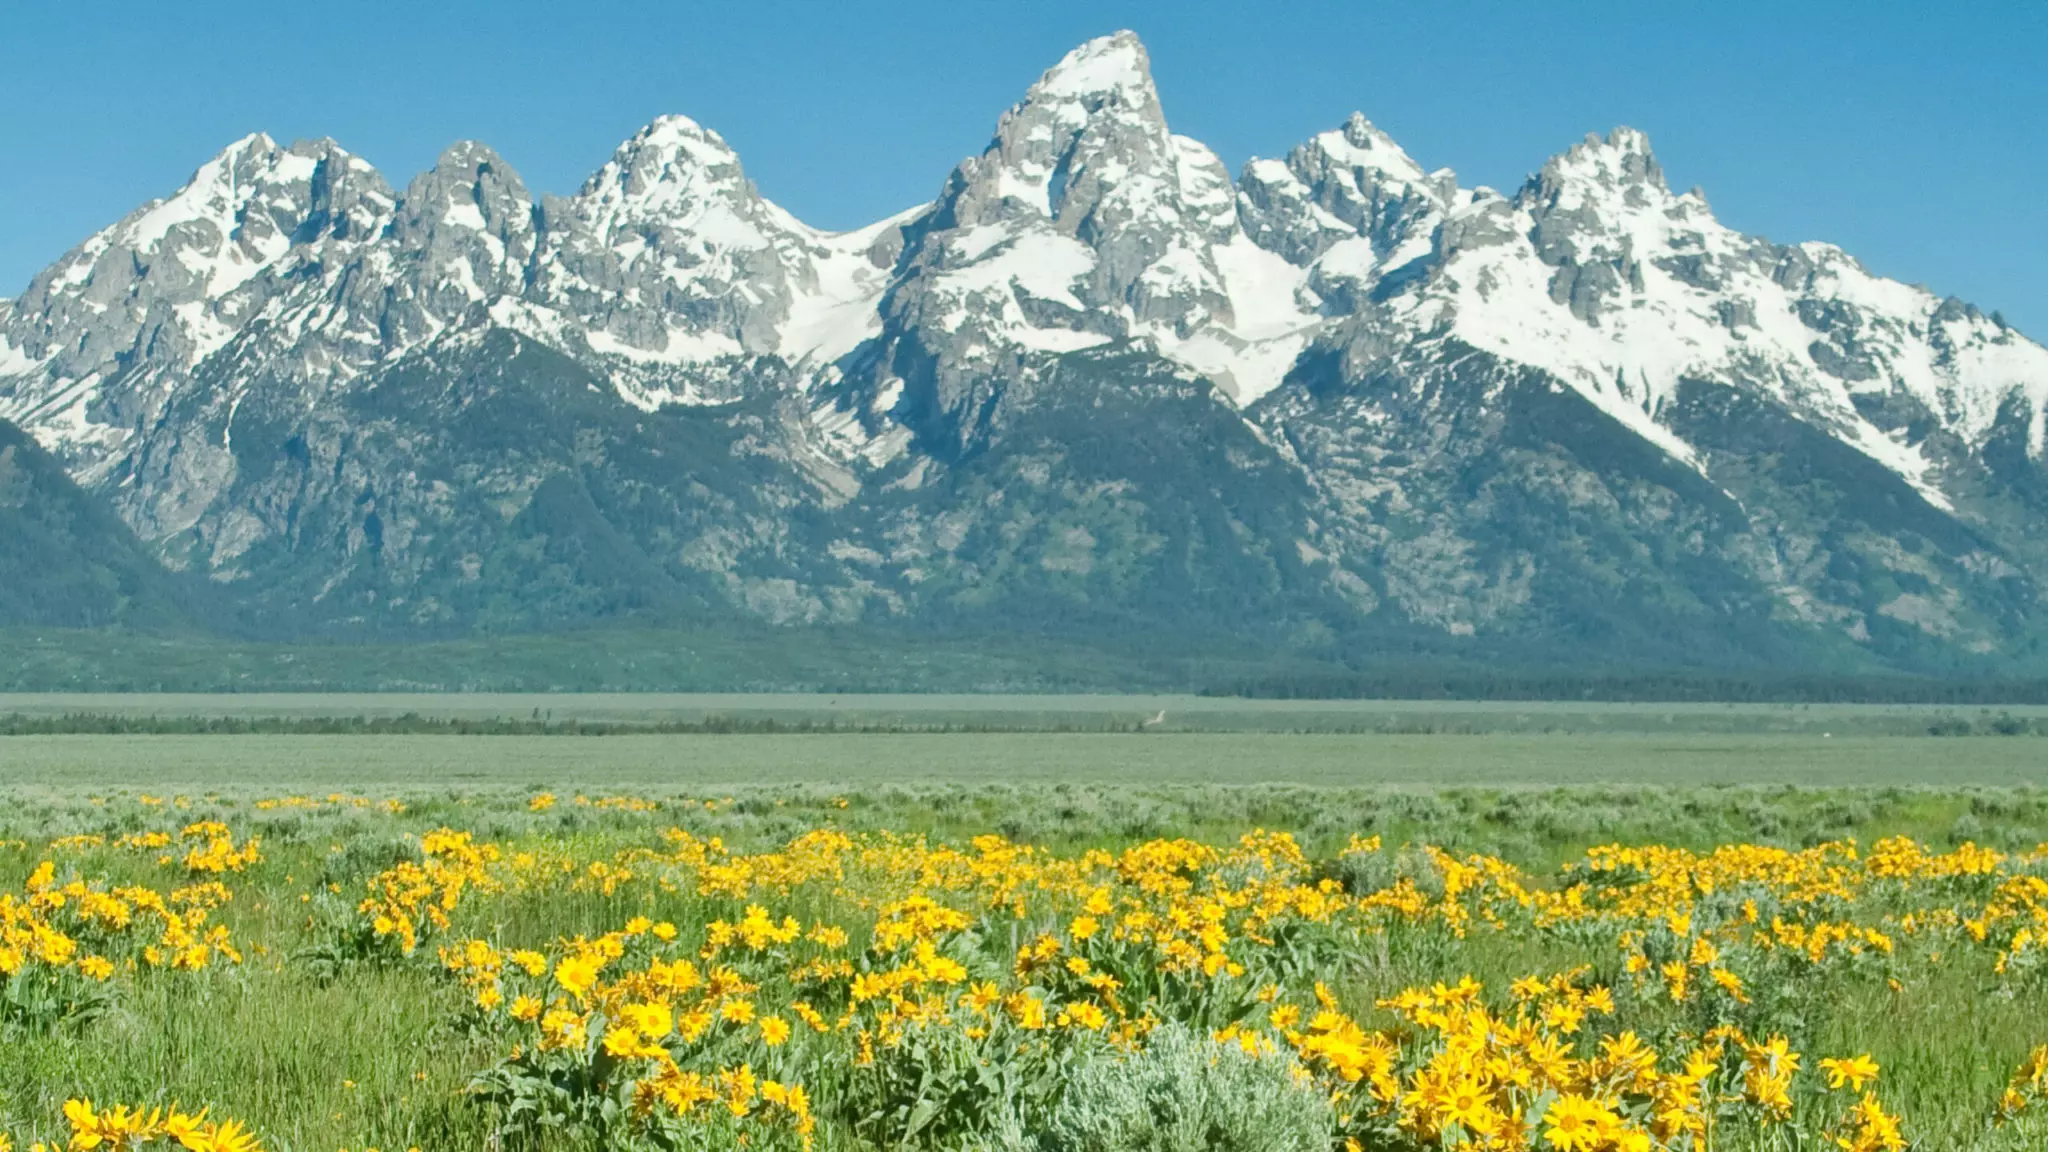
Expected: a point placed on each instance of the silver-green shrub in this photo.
(1182, 1092)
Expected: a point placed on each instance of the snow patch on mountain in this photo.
(1271, 320)
(210, 195)
(840, 310)
(15, 361)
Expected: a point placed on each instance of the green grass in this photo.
(371, 1059)
(1531, 825)
(323, 763)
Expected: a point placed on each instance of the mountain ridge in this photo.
(66, 562)
(1332, 399)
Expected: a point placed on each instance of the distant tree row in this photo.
(414, 724)
(1654, 688)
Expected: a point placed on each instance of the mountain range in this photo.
(1337, 407)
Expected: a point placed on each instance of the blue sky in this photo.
(1913, 134)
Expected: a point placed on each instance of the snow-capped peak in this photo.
(676, 176)
(467, 227)
(158, 294)
(1597, 274)
(1113, 67)
(216, 204)
(1621, 159)
(1361, 145)
(669, 257)
(181, 272)
(208, 194)
(1089, 130)
(1086, 221)
(469, 187)
(673, 131)
(1350, 206)
(663, 162)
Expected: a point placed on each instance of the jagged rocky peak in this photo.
(675, 184)
(1619, 164)
(1090, 126)
(1623, 155)
(464, 232)
(1108, 69)
(1342, 184)
(215, 205)
(172, 281)
(1107, 81)
(1605, 199)
(672, 163)
(669, 254)
(238, 212)
(1360, 144)
(667, 139)
(469, 189)
(1086, 220)
(1086, 203)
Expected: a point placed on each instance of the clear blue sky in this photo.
(1913, 134)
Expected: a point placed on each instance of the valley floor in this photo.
(322, 763)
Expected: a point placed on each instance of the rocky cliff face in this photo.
(1097, 380)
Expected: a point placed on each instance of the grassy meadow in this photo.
(1246, 926)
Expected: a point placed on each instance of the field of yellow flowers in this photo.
(1012, 970)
